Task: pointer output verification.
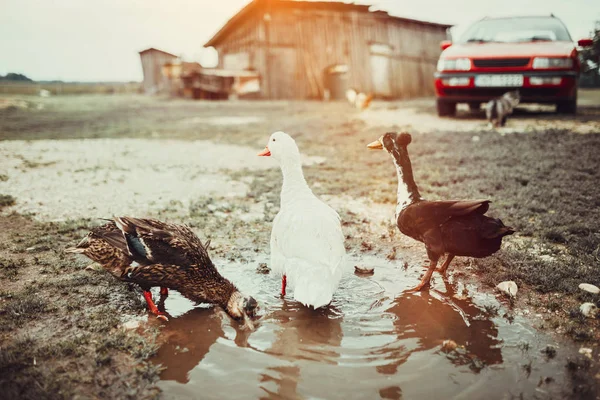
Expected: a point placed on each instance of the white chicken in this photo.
(307, 243)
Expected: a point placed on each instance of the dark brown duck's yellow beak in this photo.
(376, 145)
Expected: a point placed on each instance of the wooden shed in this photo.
(153, 61)
(305, 49)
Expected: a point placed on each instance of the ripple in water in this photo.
(372, 342)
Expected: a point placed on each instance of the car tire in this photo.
(567, 107)
(445, 108)
(474, 107)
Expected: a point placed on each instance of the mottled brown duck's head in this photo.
(242, 308)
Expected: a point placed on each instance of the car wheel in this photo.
(474, 106)
(445, 108)
(567, 107)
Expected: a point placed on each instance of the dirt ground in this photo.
(68, 332)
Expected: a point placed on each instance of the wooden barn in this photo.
(153, 61)
(316, 49)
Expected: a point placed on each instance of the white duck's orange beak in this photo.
(265, 153)
(376, 145)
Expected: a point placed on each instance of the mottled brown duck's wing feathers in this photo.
(108, 231)
(163, 243)
(113, 238)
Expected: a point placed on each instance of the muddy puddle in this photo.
(372, 342)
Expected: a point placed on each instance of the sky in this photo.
(99, 40)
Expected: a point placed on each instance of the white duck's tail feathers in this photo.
(313, 285)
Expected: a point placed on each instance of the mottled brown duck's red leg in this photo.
(164, 291)
(283, 285)
(152, 307)
(442, 270)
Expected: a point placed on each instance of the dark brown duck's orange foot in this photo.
(418, 288)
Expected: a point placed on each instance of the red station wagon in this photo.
(535, 55)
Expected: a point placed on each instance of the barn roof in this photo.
(157, 50)
(255, 5)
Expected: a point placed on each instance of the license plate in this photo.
(499, 80)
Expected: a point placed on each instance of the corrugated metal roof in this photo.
(318, 4)
(160, 51)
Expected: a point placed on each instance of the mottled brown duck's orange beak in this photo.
(376, 145)
(265, 153)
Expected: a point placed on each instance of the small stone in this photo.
(589, 310)
(475, 138)
(129, 325)
(364, 270)
(586, 352)
(589, 288)
(263, 268)
(509, 288)
(449, 345)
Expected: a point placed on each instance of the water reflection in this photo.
(424, 320)
(188, 339)
(303, 335)
(373, 342)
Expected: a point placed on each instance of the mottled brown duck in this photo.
(106, 246)
(172, 256)
(452, 227)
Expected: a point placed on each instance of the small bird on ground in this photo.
(359, 100)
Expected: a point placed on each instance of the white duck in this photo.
(307, 243)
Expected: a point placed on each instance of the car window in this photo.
(515, 30)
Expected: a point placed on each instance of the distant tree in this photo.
(11, 76)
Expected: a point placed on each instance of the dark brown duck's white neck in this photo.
(408, 192)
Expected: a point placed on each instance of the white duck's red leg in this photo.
(283, 285)
(152, 307)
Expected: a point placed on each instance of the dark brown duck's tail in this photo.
(495, 228)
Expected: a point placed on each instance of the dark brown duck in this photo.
(452, 227)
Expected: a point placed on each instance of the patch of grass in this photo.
(549, 352)
(545, 276)
(72, 317)
(19, 366)
(584, 386)
(34, 164)
(10, 268)
(7, 200)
